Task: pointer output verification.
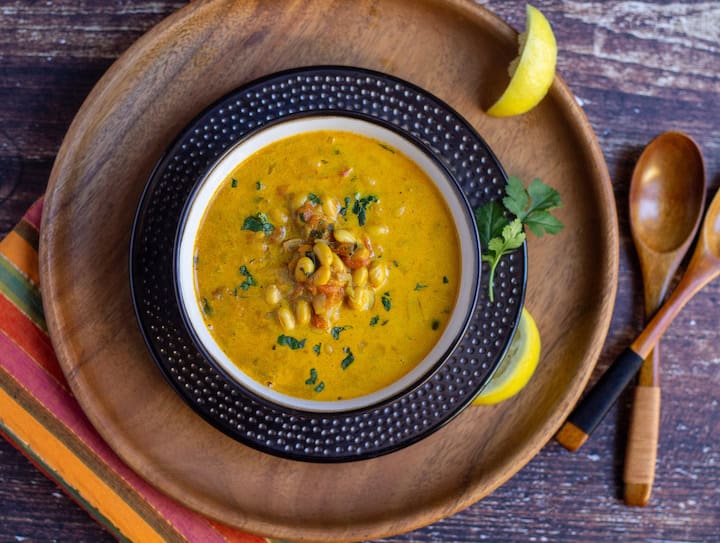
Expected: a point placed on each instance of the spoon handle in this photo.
(641, 452)
(597, 402)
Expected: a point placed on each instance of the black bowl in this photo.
(410, 414)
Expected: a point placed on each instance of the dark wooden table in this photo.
(637, 69)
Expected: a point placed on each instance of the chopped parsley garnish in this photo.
(435, 324)
(289, 341)
(335, 332)
(258, 185)
(387, 147)
(383, 323)
(419, 286)
(316, 348)
(233, 183)
(314, 199)
(395, 263)
(343, 210)
(206, 307)
(374, 320)
(336, 151)
(445, 279)
(320, 386)
(249, 279)
(258, 223)
(360, 207)
(387, 303)
(313, 377)
(349, 359)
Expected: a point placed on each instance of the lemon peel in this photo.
(517, 366)
(533, 71)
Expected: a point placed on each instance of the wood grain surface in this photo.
(636, 69)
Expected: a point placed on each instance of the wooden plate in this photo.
(455, 50)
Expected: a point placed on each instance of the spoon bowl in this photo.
(667, 196)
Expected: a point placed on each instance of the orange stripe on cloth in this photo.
(25, 257)
(71, 470)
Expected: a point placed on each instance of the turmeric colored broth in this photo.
(317, 324)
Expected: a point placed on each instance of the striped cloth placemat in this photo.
(40, 416)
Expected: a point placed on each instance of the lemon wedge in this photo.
(533, 71)
(517, 366)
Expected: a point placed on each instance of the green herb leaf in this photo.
(543, 221)
(419, 286)
(314, 199)
(258, 223)
(316, 348)
(233, 183)
(249, 279)
(387, 148)
(435, 324)
(349, 359)
(542, 197)
(343, 210)
(258, 185)
(360, 207)
(335, 332)
(313, 377)
(289, 341)
(445, 279)
(531, 208)
(387, 303)
(517, 197)
(320, 387)
(206, 307)
(490, 219)
(374, 320)
(512, 238)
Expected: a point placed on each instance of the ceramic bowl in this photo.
(454, 198)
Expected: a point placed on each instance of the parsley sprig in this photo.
(500, 234)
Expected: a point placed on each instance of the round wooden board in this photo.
(456, 50)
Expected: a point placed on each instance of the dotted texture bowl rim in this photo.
(309, 436)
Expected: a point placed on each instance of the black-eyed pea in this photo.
(303, 269)
(286, 319)
(324, 253)
(322, 275)
(360, 277)
(330, 207)
(377, 274)
(344, 236)
(273, 295)
(360, 299)
(337, 264)
(318, 304)
(302, 312)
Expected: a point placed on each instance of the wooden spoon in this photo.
(667, 197)
(704, 266)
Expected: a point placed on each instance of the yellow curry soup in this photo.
(327, 266)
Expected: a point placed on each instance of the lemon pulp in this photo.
(532, 73)
(517, 366)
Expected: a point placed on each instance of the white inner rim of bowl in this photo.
(239, 153)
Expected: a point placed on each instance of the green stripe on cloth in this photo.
(21, 292)
(39, 462)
